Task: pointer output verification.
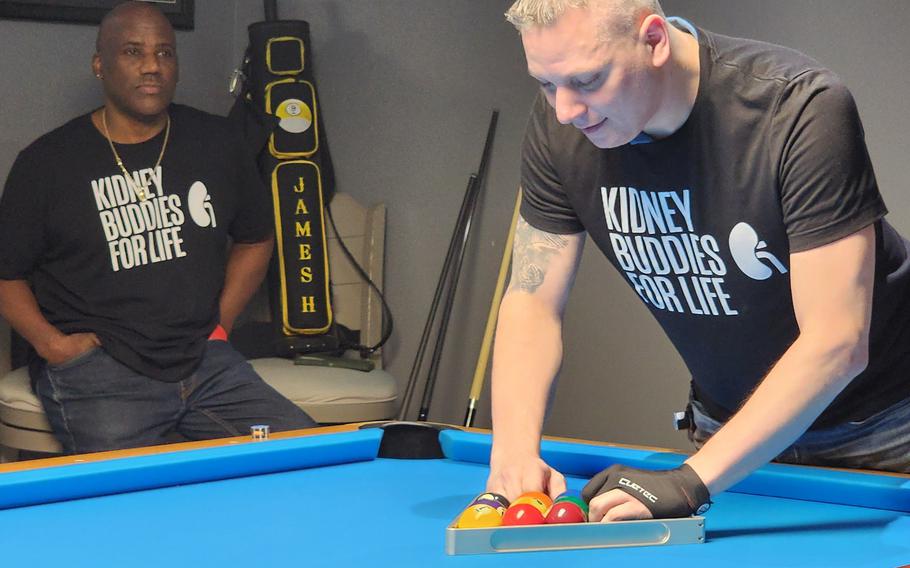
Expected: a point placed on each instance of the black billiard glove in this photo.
(667, 494)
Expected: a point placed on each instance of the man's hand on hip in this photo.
(68, 347)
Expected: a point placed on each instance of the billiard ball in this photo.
(493, 497)
(522, 514)
(568, 493)
(566, 512)
(490, 502)
(540, 501)
(572, 499)
(480, 516)
(540, 496)
(532, 501)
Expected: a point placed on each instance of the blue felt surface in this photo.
(394, 513)
(775, 480)
(381, 512)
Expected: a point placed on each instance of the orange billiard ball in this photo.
(540, 501)
(540, 495)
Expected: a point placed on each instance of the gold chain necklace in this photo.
(141, 192)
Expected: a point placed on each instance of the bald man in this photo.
(729, 183)
(115, 262)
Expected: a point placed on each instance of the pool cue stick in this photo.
(440, 290)
(447, 309)
(437, 296)
(483, 357)
(476, 185)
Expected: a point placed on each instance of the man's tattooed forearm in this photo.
(531, 255)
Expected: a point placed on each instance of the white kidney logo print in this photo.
(200, 205)
(746, 248)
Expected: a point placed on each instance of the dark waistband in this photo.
(721, 414)
(714, 410)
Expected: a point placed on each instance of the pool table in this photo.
(383, 495)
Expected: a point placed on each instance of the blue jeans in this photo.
(95, 403)
(880, 442)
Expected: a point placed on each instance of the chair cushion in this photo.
(332, 394)
(18, 404)
(328, 394)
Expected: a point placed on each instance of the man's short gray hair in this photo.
(619, 16)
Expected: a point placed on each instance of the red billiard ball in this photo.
(572, 499)
(566, 512)
(522, 514)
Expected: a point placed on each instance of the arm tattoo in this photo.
(531, 255)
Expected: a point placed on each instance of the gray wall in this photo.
(407, 87)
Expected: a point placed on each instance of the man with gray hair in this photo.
(729, 182)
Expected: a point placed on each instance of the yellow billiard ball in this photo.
(480, 517)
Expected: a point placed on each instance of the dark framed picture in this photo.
(179, 12)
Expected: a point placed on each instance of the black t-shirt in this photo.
(772, 160)
(145, 276)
